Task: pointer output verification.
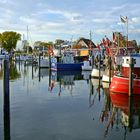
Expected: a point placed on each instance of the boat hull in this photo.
(121, 85)
(72, 66)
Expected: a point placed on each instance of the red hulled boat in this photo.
(125, 65)
(120, 83)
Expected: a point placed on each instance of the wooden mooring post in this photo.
(92, 60)
(110, 68)
(6, 103)
(99, 75)
(131, 64)
(39, 65)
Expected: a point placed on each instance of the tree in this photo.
(8, 40)
(59, 41)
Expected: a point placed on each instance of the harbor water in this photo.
(64, 105)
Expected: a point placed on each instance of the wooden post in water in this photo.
(99, 66)
(92, 60)
(99, 74)
(110, 65)
(39, 66)
(32, 67)
(6, 105)
(131, 64)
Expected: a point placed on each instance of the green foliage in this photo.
(43, 44)
(13, 72)
(59, 41)
(8, 40)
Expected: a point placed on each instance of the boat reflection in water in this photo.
(65, 80)
(125, 111)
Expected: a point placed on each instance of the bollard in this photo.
(6, 105)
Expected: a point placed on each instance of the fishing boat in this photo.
(67, 62)
(126, 65)
(120, 84)
(120, 81)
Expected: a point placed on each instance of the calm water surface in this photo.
(62, 106)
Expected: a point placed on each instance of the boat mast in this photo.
(127, 29)
(90, 43)
(124, 19)
(27, 41)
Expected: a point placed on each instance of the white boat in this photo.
(86, 66)
(96, 73)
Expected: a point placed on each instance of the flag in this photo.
(107, 42)
(124, 19)
(98, 46)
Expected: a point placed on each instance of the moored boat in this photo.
(120, 84)
(67, 62)
(126, 65)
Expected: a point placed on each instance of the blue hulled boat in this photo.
(67, 62)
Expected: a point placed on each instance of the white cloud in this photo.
(66, 18)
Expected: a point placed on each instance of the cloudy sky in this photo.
(48, 20)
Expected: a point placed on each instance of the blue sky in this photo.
(49, 20)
